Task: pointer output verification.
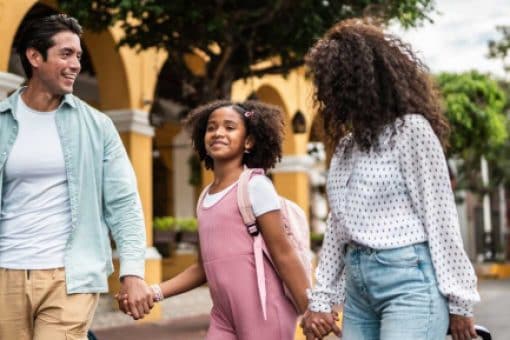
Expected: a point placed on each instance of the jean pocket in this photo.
(397, 257)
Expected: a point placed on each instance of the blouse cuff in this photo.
(319, 302)
(461, 310)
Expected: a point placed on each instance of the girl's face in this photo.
(225, 135)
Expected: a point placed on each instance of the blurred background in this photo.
(148, 63)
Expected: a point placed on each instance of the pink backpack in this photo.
(296, 226)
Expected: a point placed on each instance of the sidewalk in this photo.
(188, 328)
(186, 317)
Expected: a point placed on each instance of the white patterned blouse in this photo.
(396, 196)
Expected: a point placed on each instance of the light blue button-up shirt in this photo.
(102, 190)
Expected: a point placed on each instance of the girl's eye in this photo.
(210, 128)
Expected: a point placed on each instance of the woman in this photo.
(392, 253)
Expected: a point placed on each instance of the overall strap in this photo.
(201, 197)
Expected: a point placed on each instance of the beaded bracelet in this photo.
(158, 294)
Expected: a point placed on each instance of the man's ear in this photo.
(34, 57)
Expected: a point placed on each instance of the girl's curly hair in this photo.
(264, 123)
(365, 79)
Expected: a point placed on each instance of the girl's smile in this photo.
(225, 135)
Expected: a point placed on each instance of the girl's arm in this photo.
(192, 277)
(284, 256)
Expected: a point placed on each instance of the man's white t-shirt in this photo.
(35, 218)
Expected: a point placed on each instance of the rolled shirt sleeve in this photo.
(122, 206)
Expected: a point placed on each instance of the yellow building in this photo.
(122, 83)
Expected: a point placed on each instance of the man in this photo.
(65, 182)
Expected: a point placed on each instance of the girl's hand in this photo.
(462, 327)
(122, 300)
(316, 325)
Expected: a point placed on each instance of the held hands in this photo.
(317, 325)
(135, 298)
(462, 327)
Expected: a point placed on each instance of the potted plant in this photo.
(165, 234)
(188, 228)
(316, 241)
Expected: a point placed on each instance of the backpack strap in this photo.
(249, 219)
(243, 201)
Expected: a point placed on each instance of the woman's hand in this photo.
(462, 327)
(316, 325)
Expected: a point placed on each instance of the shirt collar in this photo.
(9, 104)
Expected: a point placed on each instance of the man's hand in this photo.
(462, 327)
(316, 325)
(135, 297)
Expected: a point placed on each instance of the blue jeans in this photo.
(392, 294)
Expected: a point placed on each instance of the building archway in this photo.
(269, 94)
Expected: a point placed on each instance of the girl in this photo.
(228, 137)
(392, 251)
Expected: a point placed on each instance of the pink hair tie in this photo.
(248, 114)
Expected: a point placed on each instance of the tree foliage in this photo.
(475, 106)
(232, 35)
(500, 49)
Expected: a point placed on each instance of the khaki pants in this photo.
(34, 305)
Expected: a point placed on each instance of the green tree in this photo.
(232, 35)
(500, 157)
(474, 105)
(499, 49)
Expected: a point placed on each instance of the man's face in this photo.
(62, 65)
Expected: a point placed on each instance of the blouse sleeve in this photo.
(425, 172)
(330, 282)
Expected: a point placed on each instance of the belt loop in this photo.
(28, 274)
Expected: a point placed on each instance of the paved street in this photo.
(187, 317)
(493, 312)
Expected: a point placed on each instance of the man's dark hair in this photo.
(39, 34)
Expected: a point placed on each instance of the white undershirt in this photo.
(35, 219)
(263, 196)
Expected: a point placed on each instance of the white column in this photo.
(184, 193)
(467, 229)
(131, 120)
(294, 163)
(9, 82)
(502, 221)
(487, 223)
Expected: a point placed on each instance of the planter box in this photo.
(178, 262)
(164, 236)
(165, 241)
(189, 237)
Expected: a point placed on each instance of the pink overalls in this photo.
(228, 260)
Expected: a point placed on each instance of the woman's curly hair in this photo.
(264, 124)
(365, 79)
